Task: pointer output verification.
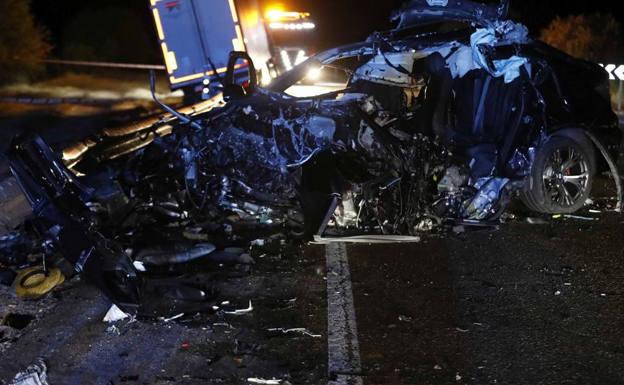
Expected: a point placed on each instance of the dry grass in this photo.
(113, 85)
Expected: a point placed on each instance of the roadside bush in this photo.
(111, 34)
(23, 43)
(597, 37)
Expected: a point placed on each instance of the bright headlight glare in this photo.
(314, 73)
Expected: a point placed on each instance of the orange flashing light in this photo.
(276, 15)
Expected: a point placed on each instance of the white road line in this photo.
(344, 365)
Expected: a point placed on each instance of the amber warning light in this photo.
(287, 20)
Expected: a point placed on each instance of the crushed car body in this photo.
(418, 132)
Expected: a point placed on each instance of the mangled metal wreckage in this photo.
(430, 129)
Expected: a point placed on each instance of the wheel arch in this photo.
(579, 135)
(574, 133)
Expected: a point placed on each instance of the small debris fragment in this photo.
(580, 218)
(577, 217)
(175, 317)
(224, 324)
(258, 242)
(437, 367)
(241, 311)
(301, 331)
(263, 381)
(140, 266)
(459, 229)
(458, 377)
(115, 314)
(558, 292)
(113, 330)
(35, 374)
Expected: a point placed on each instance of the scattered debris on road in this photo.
(115, 314)
(35, 374)
(247, 310)
(263, 381)
(301, 331)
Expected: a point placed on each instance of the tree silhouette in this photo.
(22, 42)
(596, 37)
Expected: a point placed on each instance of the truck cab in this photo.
(196, 38)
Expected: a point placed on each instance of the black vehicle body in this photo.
(400, 149)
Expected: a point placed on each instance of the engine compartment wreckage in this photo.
(429, 130)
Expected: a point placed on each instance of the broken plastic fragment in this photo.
(263, 381)
(241, 311)
(301, 331)
(113, 330)
(35, 374)
(175, 317)
(258, 242)
(140, 266)
(225, 324)
(115, 314)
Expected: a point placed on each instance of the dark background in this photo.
(127, 23)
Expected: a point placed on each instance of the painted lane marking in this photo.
(344, 365)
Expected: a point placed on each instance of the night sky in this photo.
(338, 21)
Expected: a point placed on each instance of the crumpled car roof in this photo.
(419, 12)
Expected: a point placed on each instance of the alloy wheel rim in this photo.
(566, 176)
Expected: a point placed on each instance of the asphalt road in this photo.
(525, 304)
(286, 292)
(528, 304)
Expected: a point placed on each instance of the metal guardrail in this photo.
(107, 64)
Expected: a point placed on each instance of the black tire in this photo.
(561, 177)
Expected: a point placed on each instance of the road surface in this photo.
(524, 304)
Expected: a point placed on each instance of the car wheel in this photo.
(561, 176)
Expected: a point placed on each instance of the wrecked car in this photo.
(420, 127)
